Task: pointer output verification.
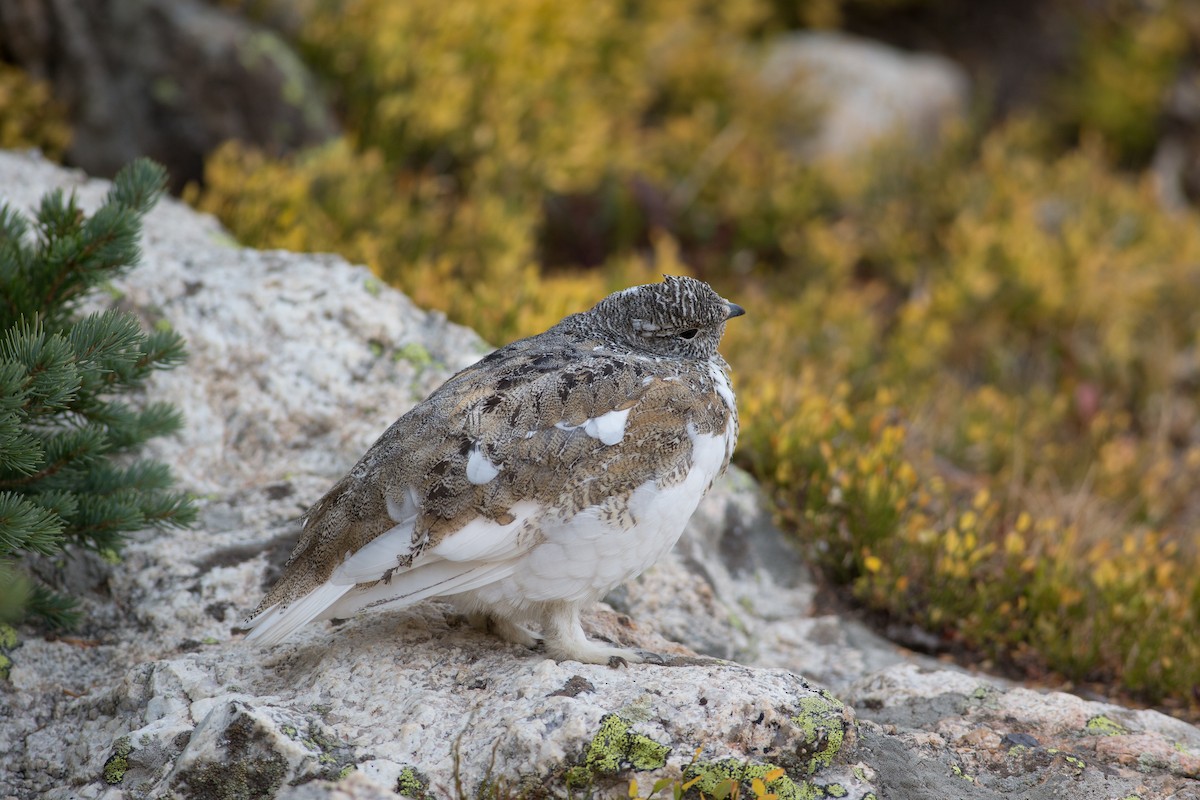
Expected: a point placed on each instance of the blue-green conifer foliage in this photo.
(73, 410)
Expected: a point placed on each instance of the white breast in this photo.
(721, 382)
(586, 556)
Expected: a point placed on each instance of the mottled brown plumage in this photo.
(578, 429)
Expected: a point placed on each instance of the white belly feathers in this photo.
(587, 555)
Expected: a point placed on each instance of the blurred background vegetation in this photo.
(970, 372)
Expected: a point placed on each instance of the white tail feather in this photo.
(437, 579)
(275, 624)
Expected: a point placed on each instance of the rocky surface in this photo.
(918, 726)
(297, 363)
(171, 79)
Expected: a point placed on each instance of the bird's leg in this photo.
(504, 628)
(565, 640)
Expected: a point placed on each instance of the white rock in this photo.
(867, 91)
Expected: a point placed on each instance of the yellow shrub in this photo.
(29, 116)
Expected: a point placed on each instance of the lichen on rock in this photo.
(823, 720)
(616, 746)
(117, 764)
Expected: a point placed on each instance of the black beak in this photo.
(734, 310)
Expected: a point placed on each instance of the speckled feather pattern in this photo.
(573, 419)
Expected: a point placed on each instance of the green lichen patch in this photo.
(615, 747)
(8, 640)
(334, 757)
(1073, 761)
(118, 763)
(412, 783)
(821, 719)
(728, 776)
(1151, 763)
(414, 353)
(1103, 726)
(982, 692)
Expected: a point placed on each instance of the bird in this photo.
(533, 482)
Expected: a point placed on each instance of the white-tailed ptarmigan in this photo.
(533, 482)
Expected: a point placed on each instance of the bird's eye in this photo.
(690, 333)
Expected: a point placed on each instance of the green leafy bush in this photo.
(68, 476)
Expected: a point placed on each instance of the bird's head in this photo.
(680, 317)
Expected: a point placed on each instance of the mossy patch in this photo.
(615, 747)
(248, 767)
(251, 779)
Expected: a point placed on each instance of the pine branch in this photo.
(138, 186)
(52, 608)
(164, 349)
(68, 450)
(106, 339)
(26, 526)
(20, 452)
(52, 379)
(169, 509)
(78, 262)
(63, 503)
(156, 419)
(74, 253)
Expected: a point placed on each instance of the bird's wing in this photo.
(450, 497)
